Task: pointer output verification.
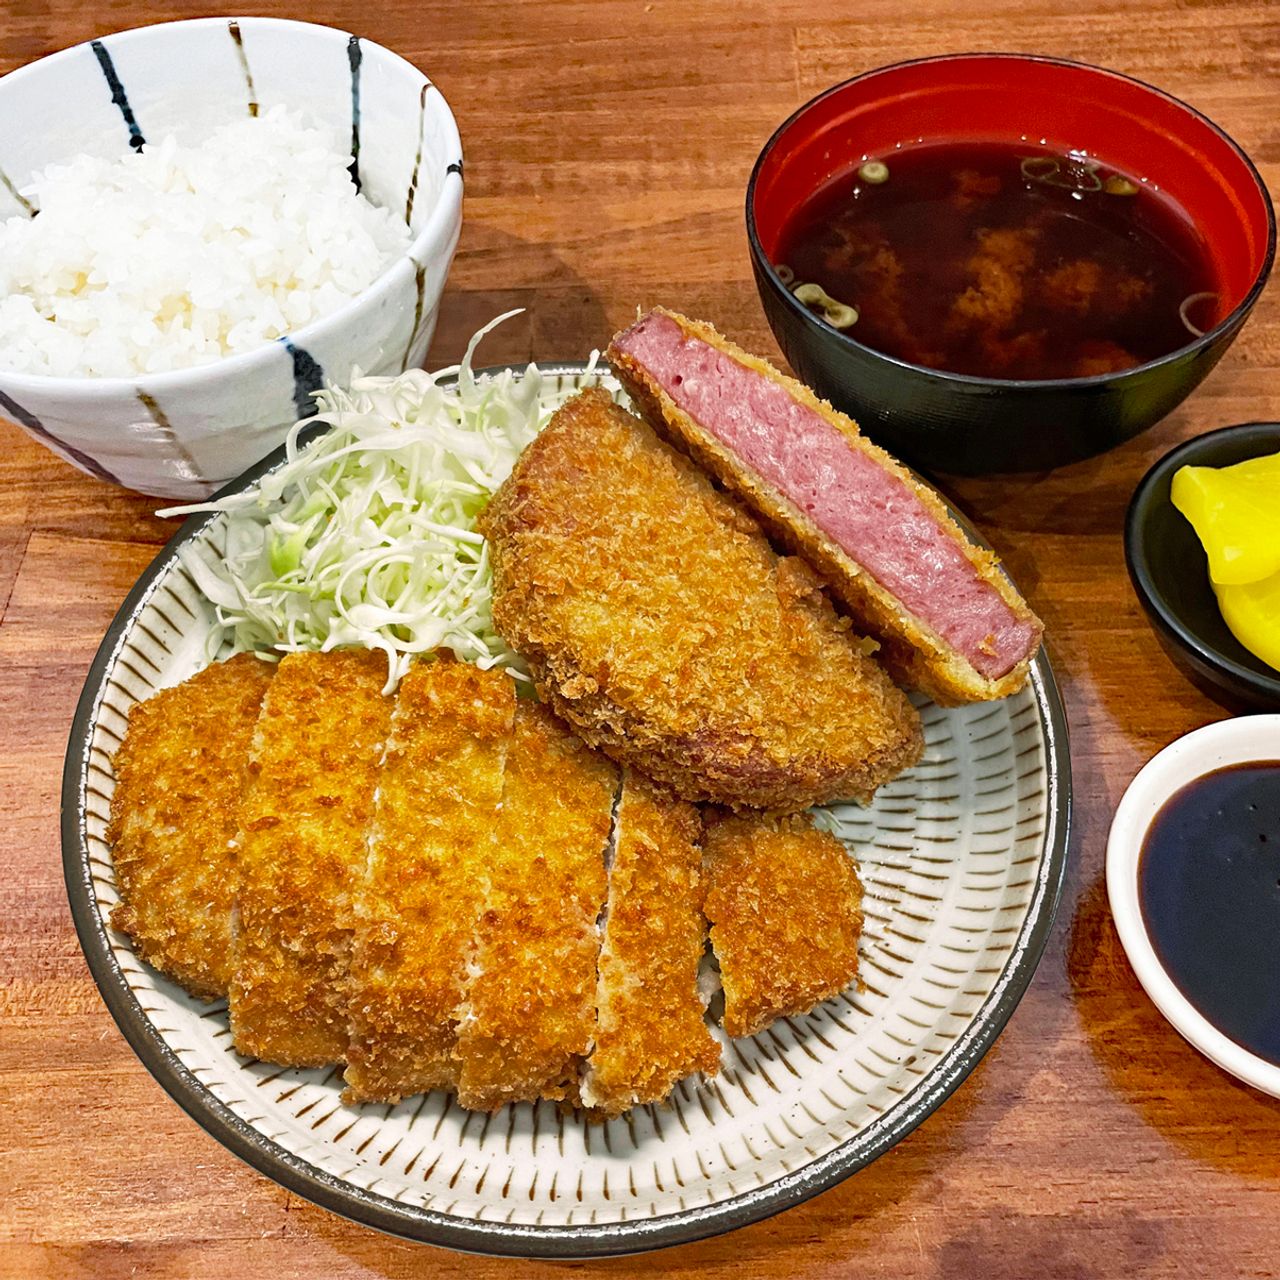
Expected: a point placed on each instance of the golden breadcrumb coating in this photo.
(914, 653)
(430, 854)
(530, 1011)
(658, 621)
(174, 816)
(650, 1030)
(304, 824)
(785, 907)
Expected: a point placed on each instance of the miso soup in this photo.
(1001, 261)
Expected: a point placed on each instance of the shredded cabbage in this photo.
(366, 536)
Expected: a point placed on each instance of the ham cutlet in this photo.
(650, 1031)
(431, 851)
(304, 823)
(529, 1015)
(658, 621)
(785, 907)
(948, 621)
(174, 816)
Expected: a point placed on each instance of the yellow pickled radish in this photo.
(1235, 511)
(1252, 611)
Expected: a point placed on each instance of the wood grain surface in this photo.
(608, 146)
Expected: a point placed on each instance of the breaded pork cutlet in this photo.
(785, 907)
(179, 774)
(650, 1031)
(432, 846)
(657, 620)
(529, 1015)
(948, 621)
(304, 823)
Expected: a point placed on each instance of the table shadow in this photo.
(1081, 498)
(562, 316)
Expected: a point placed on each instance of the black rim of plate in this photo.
(513, 1239)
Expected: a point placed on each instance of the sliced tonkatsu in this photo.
(432, 847)
(529, 1015)
(659, 622)
(450, 889)
(174, 816)
(650, 1030)
(785, 907)
(304, 825)
(948, 621)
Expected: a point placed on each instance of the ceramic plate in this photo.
(962, 859)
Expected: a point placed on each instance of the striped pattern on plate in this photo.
(961, 858)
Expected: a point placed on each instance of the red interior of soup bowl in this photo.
(1009, 98)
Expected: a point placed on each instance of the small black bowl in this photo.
(940, 421)
(1171, 576)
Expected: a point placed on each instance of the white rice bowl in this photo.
(178, 429)
(177, 255)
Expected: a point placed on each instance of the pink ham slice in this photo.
(868, 512)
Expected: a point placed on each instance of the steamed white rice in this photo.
(180, 255)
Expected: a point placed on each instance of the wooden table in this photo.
(608, 145)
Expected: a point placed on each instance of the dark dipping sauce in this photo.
(1209, 889)
(1004, 261)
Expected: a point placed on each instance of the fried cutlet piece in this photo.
(650, 1030)
(948, 621)
(785, 907)
(432, 847)
(658, 621)
(304, 823)
(529, 1015)
(179, 774)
